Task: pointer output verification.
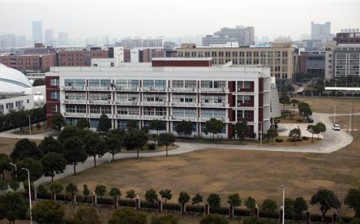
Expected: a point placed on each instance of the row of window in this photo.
(262, 54)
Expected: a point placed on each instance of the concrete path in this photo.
(332, 141)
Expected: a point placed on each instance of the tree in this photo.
(184, 128)
(25, 148)
(86, 192)
(166, 194)
(272, 133)
(352, 199)
(94, 145)
(304, 109)
(285, 100)
(57, 121)
(164, 219)
(321, 127)
(269, 206)
(74, 151)
(300, 205)
(197, 199)
(325, 199)
(53, 163)
(3, 186)
(39, 82)
(166, 139)
(13, 206)
(21, 119)
(135, 139)
(14, 185)
(86, 215)
(295, 135)
(4, 164)
(104, 123)
(83, 123)
(55, 188)
(214, 200)
(213, 219)
(130, 194)
(213, 126)
(183, 199)
(250, 203)
(115, 193)
(45, 212)
(289, 207)
(294, 102)
(151, 196)
(127, 216)
(100, 190)
(72, 189)
(50, 144)
(157, 125)
(114, 141)
(313, 129)
(234, 200)
(70, 132)
(241, 129)
(35, 167)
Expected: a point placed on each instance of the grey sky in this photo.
(153, 18)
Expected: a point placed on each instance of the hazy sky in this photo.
(169, 18)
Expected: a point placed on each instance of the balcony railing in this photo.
(127, 89)
(180, 118)
(99, 88)
(127, 116)
(70, 114)
(153, 89)
(214, 90)
(128, 103)
(152, 103)
(74, 101)
(183, 90)
(74, 88)
(106, 102)
(154, 117)
(214, 105)
(183, 104)
(97, 115)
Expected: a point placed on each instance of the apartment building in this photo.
(35, 62)
(342, 60)
(279, 57)
(68, 57)
(171, 90)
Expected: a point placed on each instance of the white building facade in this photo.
(169, 94)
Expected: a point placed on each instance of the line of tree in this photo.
(20, 119)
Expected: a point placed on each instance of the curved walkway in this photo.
(332, 141)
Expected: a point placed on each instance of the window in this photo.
(248, 54)
(177, 83)
(54, 82)
(54, 95)
(234, 54)
(221, 54)
(9, 105)
(55, 108)
(190, 84)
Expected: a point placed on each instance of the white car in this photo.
(336, 127)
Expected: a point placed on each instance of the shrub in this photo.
(299, 120)
(151, 146)
(305, 138)
(279, 140)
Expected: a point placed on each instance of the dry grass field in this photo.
(251, 173)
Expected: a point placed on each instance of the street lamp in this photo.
(29, 124)
(283, 204)
(28, 173)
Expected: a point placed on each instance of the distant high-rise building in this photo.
(63, 39)
(245, 36)
(37, 32)
(129, 43)
(21, 41)
(49, 37)
(321, 31)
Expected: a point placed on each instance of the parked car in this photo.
(336, 127)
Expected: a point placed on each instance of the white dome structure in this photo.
(13, 81)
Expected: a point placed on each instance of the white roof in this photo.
(13, 81)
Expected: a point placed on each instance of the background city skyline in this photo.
(83, 19)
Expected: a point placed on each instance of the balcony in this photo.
(74, 101)
(128, 117)
(180, 118)
(127, 89)
(183, 90)
(103, 102)
(214, 105)
(79, 115)
(153, 104)
(73, 88)
(97, 115)
(128, 103)
(153, 89)
(214, 90)
(183, 104)
(154, 117)
(99, 88)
